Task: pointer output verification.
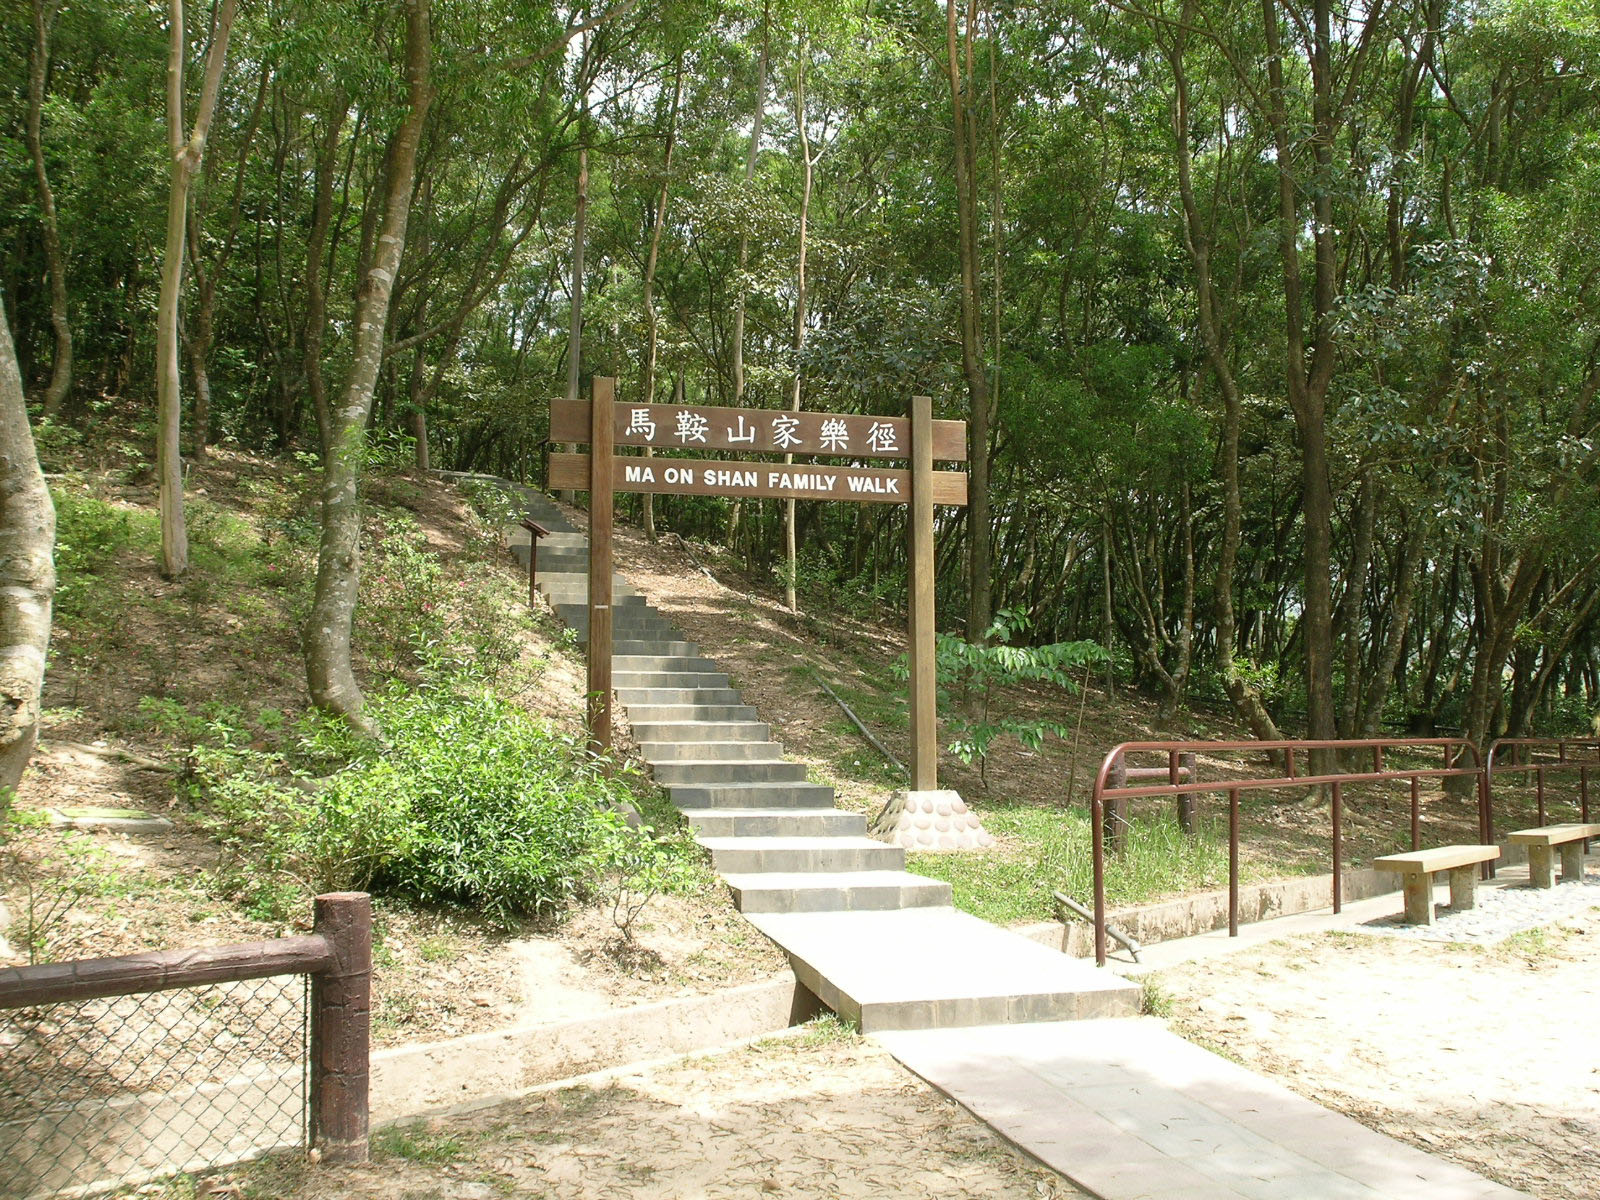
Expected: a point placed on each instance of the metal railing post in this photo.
(1338, 846)
(341, 1023)
(1233, 862)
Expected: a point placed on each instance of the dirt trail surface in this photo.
(1487, 1056)
(831, 1116)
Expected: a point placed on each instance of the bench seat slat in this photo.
(1553, 835)
(1443, 858)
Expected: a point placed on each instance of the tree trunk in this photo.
(186, 154)
(647, 383)
(330, 673)
(580, 218)
(972, 351)
(27, 573)
(737, 337)
(55, 393)
(316, 317)
(1246, 699)
(791, 562)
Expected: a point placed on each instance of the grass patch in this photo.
(1045, 850)
(418, 1144)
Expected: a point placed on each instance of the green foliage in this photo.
(418, 1144)
(981, 667)
(469, 800)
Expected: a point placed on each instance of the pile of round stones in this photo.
(1501, 912)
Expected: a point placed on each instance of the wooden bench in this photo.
(1419, 867)
(1541, 842)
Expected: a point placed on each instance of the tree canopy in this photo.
(1275, 322)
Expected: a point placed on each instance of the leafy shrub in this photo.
(982, 667)
(469, 800)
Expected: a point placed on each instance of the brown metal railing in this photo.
(1452, 750)
(1530, 756)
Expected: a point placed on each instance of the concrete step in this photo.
(776, 823)
(787, 893)
(744, 855)
(680, 714)
(623, 637)
(576, 613)
(771, 771)
(625, 626)
(559, 595)
(668, 679)
(629, 630)
(656, 646)
(699, 732)
(656, 753)
(934, 967)
(650, 696)
(767, 795)
(691, 663)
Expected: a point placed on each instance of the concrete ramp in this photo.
(1130, 1111)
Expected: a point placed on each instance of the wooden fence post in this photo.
(341, 1026)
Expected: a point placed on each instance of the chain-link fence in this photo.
(120, 1090)
(118, 1071)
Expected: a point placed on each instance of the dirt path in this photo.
(1489, 1057)
(826, 1115)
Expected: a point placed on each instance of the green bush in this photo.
(469, 800)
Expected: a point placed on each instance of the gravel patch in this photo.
(1501, 912)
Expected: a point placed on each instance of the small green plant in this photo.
(980, 668)
(418, 1144)
(1154, 998)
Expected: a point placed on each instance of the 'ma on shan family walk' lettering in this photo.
(761, 480)
(800, 481)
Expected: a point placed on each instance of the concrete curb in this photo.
(1201, 913)
(483, 1068)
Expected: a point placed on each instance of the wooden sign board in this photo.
(699, 477)
(757, 431)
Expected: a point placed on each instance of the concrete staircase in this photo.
(875, 942)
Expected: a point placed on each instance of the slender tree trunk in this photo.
(647, 383)
(1246, 699)
(807, 163)
(757, 120)
(197, 337)
(1380, 677)
(27, 574)
(186, 153)
(55, 393)
(972, 351)
(330, 673)
(580, 220)
(316, 317)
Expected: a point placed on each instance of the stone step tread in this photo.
(684, 714)
(823, 842)
(921, 967)
(720, 696)
(776, 822)
(701, 731)
(769, 796)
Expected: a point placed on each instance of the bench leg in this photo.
(1541, 868)
(1419, 898)
(1571, 861)
(1463, 888)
